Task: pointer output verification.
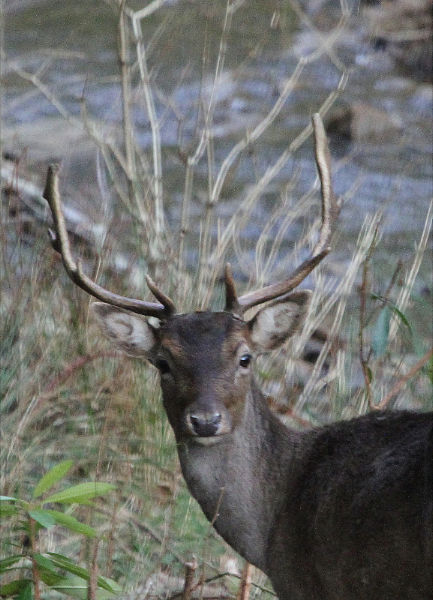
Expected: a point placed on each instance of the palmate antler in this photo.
(165, 307)
(60, 242)
(330, 211)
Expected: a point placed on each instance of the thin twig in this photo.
(385, 296)
(402, 382)
(245, 587)
(190, 569)
(236, 576)
(339, 296)
(204, 143)
(270, 117)
(362, 308)
(74, 366)
(206, 538)
(362, 319)
(326, 39)
(244, 210)
(128, 131)
(148, 530)
(93, 580)
(35, 570)
(151, 8)
(213, 578)
(110, 540)
(404, 295)
(154, 123)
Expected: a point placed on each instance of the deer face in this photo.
(204, 359)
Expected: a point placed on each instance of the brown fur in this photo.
(343, 512)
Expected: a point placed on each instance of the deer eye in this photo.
(162, 365)
(245, 360)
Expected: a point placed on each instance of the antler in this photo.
(60, 242)
(330, 211)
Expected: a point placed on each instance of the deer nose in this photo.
(205, 425)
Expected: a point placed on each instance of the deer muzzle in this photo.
(205, 425)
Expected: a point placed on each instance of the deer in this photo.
(338, 512)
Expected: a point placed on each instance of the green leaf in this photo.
(7, 562)
(49, 577)
(72, 523)
(52, 477)
(81, 493)
(74, 587)
(8, 498)
(42, 517)
(394, 309)
(402, 317)
(379, 341)
(27, 592)
(65, 563)
(14, 587)
(45, 563)
(48, 571)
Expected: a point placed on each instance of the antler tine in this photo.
(60, 242)
(167, 302)
(330, 209)
(329, 214)
(232, 304)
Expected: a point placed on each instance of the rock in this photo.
(361, 122)
(48, 139)
(403, 29)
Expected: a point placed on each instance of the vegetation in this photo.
(71, 409)
(29, 517)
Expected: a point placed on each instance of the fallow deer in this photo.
(341, 512)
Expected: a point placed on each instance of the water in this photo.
(72, 45)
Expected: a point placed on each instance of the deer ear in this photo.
(278, 321)
(129, 332)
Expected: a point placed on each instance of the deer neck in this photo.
(241, 482)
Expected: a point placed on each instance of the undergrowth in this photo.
(66, 396)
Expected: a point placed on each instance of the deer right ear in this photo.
(129, 332)
(279, 320)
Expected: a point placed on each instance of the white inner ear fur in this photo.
(130, 333)
(275, 323)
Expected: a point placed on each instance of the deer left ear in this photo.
(129, 332)
(278, 321)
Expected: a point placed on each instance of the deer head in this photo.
(204, 359)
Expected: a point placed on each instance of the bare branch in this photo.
(383, 404)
